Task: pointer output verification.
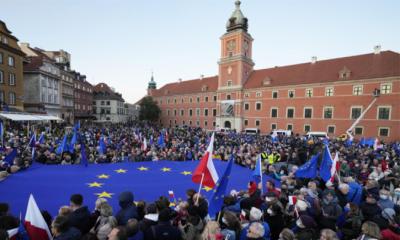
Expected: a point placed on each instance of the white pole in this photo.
(198, 192)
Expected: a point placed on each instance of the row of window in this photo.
(383, 112)
(182, 100)
(84, 107)
(190, 123)
(49, 82)
(50, 98)
(11, 60)
(11, 78)
(190, 112)
(11, 98)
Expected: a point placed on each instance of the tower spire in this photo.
(237, 19)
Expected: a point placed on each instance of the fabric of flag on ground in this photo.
(52, 185)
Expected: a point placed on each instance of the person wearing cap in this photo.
(256, 216)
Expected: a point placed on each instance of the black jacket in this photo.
(163, 231)
(80, 219)
(71, 234)
(128, 208)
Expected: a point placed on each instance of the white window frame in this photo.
(255, 106)
(383, 106)
(293, 91)
(304, 127)
(12, 100)
(277, 112)
(329, 94)
(356, 86)
(351, 110)
(334, 129)
(294, 112)
(311, 90)
(386, 84)
(379, 131)
(11, 61)
(258, 94)
(204, 112)
(304, 112)
(11, 79)
(323, 112)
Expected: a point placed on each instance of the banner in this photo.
(227, 108)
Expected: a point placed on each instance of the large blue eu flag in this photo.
(309, 169)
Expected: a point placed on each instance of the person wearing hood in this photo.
(370, 208)
(192, 227)
(274, 218)
(331, 210)
(80, 217)
(150, 218)
(128, 209)
(305, 228)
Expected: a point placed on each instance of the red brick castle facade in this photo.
(325, 95)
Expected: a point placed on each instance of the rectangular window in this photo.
(383, 132)
(174, 112)
(190, 112)
(246, 122)
(175, 100)
(386, 88)
(206, 112)
(291, 93)
(198, 123)
(331, 129)
(274, 94)
(205, 123)
(258, 106)
(356, 112)
(214, 112)
(108, 103)
(290, 127)
(1, 58)
(258, 94)
(309, 92)
(257, 123)
(215, 98)
(182, 100)
(11, 79)
(307, 112)
(328, 112)
(307, 128)
(11, 98)
(273, 126)
(383, 113)
(197, 111)
(190, 122)
(190, 100)
(1, 77)
(11, 61)
(228, 97)
(198, 99)
(290, 113)
(182, 112)
(205, 99)
(246, 106)
(329, 91)
(274, 112)
(214, 124)
(357, 90)
(229, 83)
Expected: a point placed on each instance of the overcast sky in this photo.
(121, 41)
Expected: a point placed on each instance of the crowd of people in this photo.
(361, 202)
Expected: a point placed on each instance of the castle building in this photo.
(320, 95)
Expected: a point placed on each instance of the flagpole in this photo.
(198, 192)
(261, 175)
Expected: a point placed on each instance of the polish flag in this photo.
(144, 144)
(207, 168)
(35, 224)
(12, 233)
(377, 146)
(292, 200)
(335, 167)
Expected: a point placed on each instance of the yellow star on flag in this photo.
(104, 176)
(121, 170)
(207, 189)
(186, 173)
(104, 194)
(143, 168)
(95, 184)
(166, 169)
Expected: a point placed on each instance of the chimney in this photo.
(377, 49)
(313, 59)
(201, 76)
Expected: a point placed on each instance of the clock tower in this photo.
(235, 64)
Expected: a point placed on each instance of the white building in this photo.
(108, 105)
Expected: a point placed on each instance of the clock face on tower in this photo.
(231, 45)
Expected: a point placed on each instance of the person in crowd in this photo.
(133, 231)
(212, 231)
(192, 226)
(328, 234)
(369, 231)
(331, 210)
(150, 219)
(286, 234)
(370, 208)
(255, 231)
(128, 208)
(275, 219)
(7, 221)
(105, 222)
(118, 233)
(80, 216)
(62, 230)
(351, 228)
(256, 216)
(230, 226)
(305, 228)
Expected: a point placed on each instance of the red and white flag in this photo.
(207, 168)
(144, 145)
(12, 233)
(292, 200)
(335, 167)
(377, 146)
(35, 225)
